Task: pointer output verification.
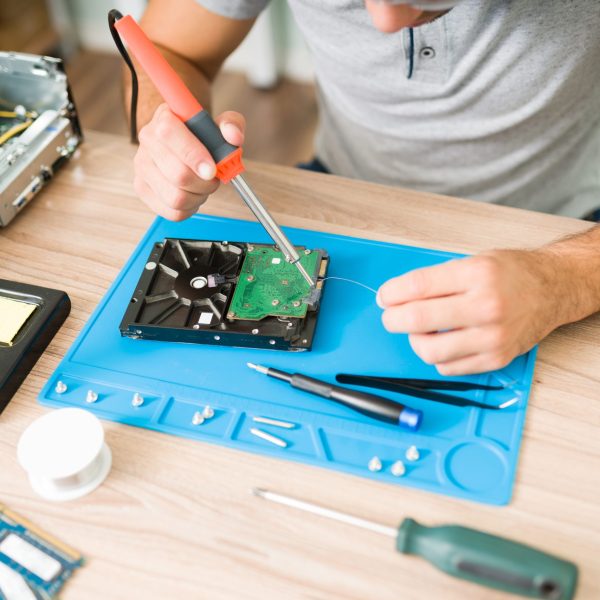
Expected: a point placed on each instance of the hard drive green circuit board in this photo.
(270, 286)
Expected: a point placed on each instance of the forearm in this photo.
(149, 97)
(572, 271)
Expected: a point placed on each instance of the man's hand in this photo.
(476, 314)
(174, 172)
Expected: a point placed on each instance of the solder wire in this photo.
(351, 281)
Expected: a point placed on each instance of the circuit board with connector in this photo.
(270, 286)
(33, 564)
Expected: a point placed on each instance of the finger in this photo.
(168, 129)
(167, 193)
(426, 316)
(233, 127)
(477, 363)
(444, 347)
(440, 280)
(147, 194)
(177, 172)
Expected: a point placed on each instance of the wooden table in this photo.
(175, 519)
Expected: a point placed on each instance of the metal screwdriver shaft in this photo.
(325, 512)
(267, 221)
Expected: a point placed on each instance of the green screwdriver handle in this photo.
(489, 560)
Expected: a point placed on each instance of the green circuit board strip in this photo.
(270, 286)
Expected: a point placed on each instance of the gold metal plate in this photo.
(13, 315)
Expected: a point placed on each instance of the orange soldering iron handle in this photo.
(180, 100)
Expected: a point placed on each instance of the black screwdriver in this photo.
(376, 407)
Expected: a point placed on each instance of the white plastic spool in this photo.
(64, 454)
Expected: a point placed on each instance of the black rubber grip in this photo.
(371, 405)
(208, 132)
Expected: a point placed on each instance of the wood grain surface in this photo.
(175, 518)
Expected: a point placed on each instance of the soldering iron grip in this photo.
(490, 560)
(227, 157)
(180, 100)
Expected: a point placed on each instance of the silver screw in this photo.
(412, 454)
(398, 469)
(255, 331)
(150, 266)
(275, 302)
(272, 342)
(249, 248)
(290, 325)
(307, 251)
(197, 419)
(208, 412)
(196, 326)
(60, 388)
(250, 278)
(217, 337)
(296, 303)
(91, 397)
(375, 464)
(137, 400)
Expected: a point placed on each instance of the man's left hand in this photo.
(474, 314)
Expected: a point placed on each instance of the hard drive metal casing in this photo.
(28, 161)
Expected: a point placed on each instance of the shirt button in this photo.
(427, 52)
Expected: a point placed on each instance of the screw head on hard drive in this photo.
(197, 419)
(150, 266)
(137, 400)
(91, 397)
(375, 464)
(61, 387)
(208, 412)
(255, 332)
(272, 342)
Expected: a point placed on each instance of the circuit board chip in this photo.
(269, 286)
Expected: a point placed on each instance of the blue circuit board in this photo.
(466, 452)
(41, 561)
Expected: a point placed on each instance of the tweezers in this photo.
(421, 388)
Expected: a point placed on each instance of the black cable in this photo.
(113, 16)
(411, 52)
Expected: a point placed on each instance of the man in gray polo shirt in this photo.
(494, 100)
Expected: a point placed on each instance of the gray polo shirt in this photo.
(502, 105)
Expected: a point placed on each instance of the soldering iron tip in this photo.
(252, 365)
(258, 492)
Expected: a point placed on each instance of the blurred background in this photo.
(269, 78)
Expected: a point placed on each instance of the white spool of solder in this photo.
(64, 454)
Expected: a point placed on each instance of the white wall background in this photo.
(273, 48)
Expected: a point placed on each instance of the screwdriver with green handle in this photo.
(466, 553)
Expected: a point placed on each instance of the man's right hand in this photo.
(174, 172)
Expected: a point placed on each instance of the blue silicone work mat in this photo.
(465, 452)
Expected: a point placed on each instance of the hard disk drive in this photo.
(226, 293)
